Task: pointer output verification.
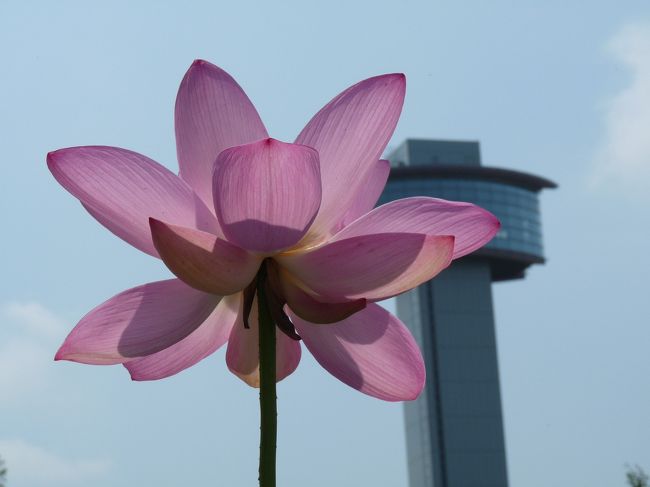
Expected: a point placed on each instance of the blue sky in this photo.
(553, 88)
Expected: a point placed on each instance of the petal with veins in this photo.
(350, 134)
(367, 198)
(374, 267)
(471, 226)
(266, 194)
(199, 344)
(242, 355)
(204, 261)
(212, 114)
(137, 322)
(122, 189)
(371, 351)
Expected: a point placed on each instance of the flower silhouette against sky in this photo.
(303, 211)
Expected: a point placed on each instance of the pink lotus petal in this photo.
(471, 225)
(374, 267)
(350, 134)
(312, 309)
(372, 189)
(122, 189)
(242, 355)
(204, 261)
(137, 322)
(266, 194)
(199, 344)
(371, 351)
(212, 114)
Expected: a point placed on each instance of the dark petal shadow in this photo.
(260, 236)
(159, 321)
(333, 341)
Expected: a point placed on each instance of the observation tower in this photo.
(454, 430)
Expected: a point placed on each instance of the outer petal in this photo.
(310, 308)
(350, 134)
(242, 355)
(199, 344)
(212, 114)
(367, 198)
(371, 266)
(266, 194)
(137, 322)
(122, 189)
(204, 261)
(371, 351)
(471, 225)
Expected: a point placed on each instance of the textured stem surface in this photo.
(268, 398)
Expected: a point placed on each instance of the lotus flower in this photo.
(243, 200)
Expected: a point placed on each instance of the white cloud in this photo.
(24, 367)
(35, 318)
(29, 336)
(32, 466)
(623, 159)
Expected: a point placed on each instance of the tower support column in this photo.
(454, 431)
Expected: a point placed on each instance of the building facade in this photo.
(454, 430)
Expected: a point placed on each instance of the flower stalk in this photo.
(268, 398)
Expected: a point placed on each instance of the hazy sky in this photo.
(557, 88)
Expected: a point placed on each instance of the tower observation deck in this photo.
(454, 430)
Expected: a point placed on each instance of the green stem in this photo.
(268, 398)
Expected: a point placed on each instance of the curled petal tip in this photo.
(413, 395)
(133, 376)
(493, 221)
(200, 67)
(68, 352)
(51, 159)
(400, 79)
(199, 63)
(60, 354)
(395, 80)
(155, 225)
(396, 77)
(492, 226)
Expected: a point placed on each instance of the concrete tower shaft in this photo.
(455, 429)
